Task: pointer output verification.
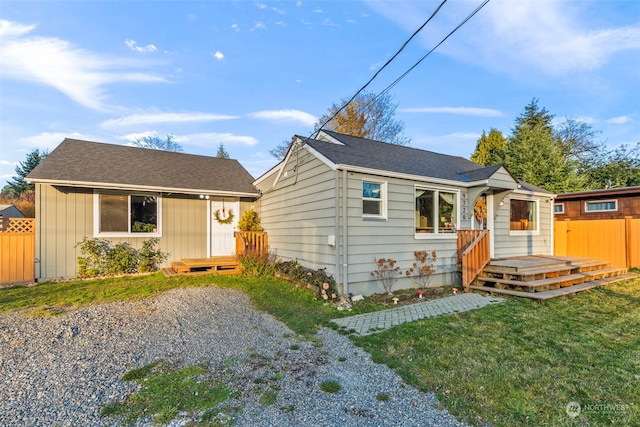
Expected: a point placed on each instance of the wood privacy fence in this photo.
(257, 241)
(613, 240)
(18, 251)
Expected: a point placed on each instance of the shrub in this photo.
(386, 272)
(149, 258)
(257, 263)
(421, 270)
(100, 257)
(330, 386)
(250, 221)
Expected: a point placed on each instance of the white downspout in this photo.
(336, 248)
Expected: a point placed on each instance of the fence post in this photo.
(627, 240)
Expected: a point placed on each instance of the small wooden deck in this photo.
(193, 266)
(543, 277)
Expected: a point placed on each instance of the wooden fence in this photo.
(252, 241)
(613, 240)
(473, 254)
(18, 251)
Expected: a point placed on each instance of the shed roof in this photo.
(95, 164)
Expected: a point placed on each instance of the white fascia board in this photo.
(535, 193)
(144, 188)
(322, 136)
(417, 178)
(321, 157)
(268, 173)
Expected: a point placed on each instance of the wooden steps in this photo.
(195, 266)
(544, 277)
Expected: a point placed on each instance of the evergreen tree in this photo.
(534, 153)
(490, 149)
(19, 185)
(222, 153)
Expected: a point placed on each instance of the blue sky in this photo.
(250, 74)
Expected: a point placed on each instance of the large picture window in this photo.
(373, 199)
(436, 211)
(122, 214)
(524, 215)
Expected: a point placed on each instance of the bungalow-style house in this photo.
(120, 193)
(609, 203)
(340, 202)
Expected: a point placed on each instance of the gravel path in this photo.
(62, 370)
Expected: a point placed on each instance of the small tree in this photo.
(386, 272)
(421, 270)
(222, 153)
(250, 221)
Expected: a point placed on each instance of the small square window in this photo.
(373, 199)
(558, 208)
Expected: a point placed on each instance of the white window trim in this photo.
(561, 210)
(96, 215)
(587, 210)
(439, 236)
(382, 200)
(535, 232)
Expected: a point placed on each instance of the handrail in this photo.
(252, 240)
(474, 255)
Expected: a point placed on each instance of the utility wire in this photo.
(477, 9)
(435, 12)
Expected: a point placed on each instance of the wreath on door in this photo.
(224, 216)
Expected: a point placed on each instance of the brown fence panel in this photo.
(18, 251)
(605, 239)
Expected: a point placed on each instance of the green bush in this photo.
(256, 263)
(250, 221)
(102, 258)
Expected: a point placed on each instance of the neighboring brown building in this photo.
(611, 203)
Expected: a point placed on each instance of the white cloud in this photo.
(463, 111)
(131, 44)
(152, 118)
(218, 55)
(551, 37)
(285, 115)
(235, 27)
(50, 140)
(214, 139)
(135, 135)
(620, 120)
(259, 26)
(261, 6)
(79, 74)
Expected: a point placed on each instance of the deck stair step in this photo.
(543, 277)
(194, 266)
(545, 295)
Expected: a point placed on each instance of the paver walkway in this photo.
(370, 323)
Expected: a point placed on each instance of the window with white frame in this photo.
(436, 211)
(374, 199)
(126, 214)
(524, 215)
(558, 208)
(601, 206)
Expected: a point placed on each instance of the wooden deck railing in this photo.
(252, 240)
(473, 254)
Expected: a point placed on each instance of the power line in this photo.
(435, 12)
(476, 10)
(403, 75)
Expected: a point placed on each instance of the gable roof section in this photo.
(94, 164)
(382, 156)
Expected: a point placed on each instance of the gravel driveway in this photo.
(61, 370)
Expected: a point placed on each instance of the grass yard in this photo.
(518, 363)
(521, 363)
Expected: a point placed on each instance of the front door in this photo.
(224, 221)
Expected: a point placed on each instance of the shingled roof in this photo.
(382, 156)
(94, 164)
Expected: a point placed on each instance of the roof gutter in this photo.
(108, 186)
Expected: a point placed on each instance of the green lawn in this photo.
(517, 363)
(521, 362)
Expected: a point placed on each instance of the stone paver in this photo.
(370, 323)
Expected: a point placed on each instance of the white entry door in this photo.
(222, 235)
